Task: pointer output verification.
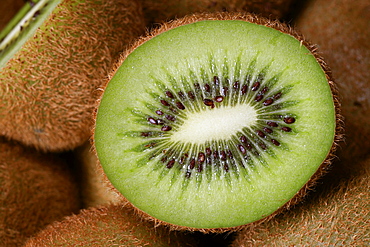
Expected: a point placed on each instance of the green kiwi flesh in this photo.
(216, 123)
(96, 189)
(337, 216)
(341, 31)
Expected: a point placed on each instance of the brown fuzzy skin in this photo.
(111, 225)
(8, 8)
(340, 28)
(338, 216)
(35, 190)
(49, 88)
(285, 29)
(96, 189)
(158, 11)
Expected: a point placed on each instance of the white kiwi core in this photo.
(226, 121)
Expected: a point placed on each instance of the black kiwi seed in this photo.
(268, 102)
(171, 118)
(267, 130)
(219, 99)
(169, 94)
(160, 122)
(275, 142)
(208, 102)
(289, 120)
(166, 128)
(191, 95)
(170, 163)
(258, 98)
(286, 129)
(216, 80)
(201, 157)
(180, 105)
(261, 134)
(236, 85)
(207, 88)
(277, 96)
(181, 95)
(264, 90)
(152, 120)
(242, 149)
(255, 86)
(165, 103)
(159, 112)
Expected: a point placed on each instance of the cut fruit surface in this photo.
(256, 98)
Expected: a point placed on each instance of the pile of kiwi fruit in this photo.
(184, 123)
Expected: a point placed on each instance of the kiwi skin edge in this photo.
(341, 29)
(337, 216)
(269, 23)
(36, 189)
(96, 189)
(49, 87)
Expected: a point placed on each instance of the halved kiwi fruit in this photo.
(338, 216)
(52, 60)
(36, 189)
(111, 225)
(216, 121)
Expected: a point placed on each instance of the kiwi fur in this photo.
(49, 87)
(96, 190)
(165, 10)
(341, 31)
(338, 216)
(285, 29)
(36, 189)
(111, 225)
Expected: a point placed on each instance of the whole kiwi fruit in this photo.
(36, 189)
(157, 11)
(53, 61)
(215, 121)
(338, 216)
(341, 31)
(111, 225)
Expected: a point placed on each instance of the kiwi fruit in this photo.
(341, 31)
(36, 189)
(216, 121)
(96, 189)
(52, 63)
(157, 11)
(338, 216)
(111, 225)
